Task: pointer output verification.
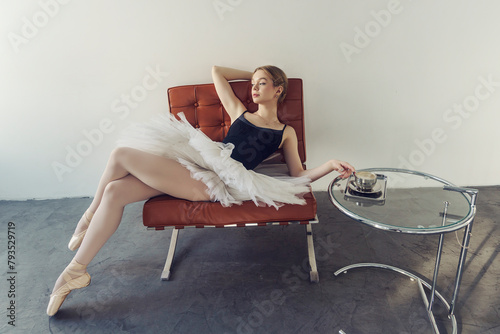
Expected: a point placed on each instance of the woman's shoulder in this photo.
(289, 133)
(289, 130)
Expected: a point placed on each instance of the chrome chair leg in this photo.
(313, 274)
(165, 275)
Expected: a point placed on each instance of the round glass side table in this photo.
(407, 201)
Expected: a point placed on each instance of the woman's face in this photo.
(263, 89)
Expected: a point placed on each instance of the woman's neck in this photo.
(268, 112)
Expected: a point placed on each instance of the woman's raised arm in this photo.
(221, 77)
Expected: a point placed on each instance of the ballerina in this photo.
(169, 156)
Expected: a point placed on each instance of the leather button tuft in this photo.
(196, 104)
(248, 101)
(222, 124)
(197, 126)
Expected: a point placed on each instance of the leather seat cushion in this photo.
(165, 210)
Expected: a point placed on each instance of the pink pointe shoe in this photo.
(78, 282)
(76, 239)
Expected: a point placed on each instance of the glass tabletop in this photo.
(404, 201)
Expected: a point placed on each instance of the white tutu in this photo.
(228, 181)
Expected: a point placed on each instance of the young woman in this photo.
(168, 156)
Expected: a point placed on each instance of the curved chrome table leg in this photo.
(420, 282)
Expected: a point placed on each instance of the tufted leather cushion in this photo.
(202, 107)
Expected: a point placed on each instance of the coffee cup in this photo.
(365, 181)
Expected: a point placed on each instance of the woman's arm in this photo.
(292, 158)
(221, 77)
(342, 167)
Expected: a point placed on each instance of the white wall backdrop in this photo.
(388, 83)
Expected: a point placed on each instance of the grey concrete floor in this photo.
(242, 280)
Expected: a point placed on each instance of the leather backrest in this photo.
(203, 109)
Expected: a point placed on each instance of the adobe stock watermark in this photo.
(372, 29)
(48, 9)
(112, 288)
(94, 137)
(454, 118)
(292, 279)
(255, 145)
(223, 6)
(115, 285)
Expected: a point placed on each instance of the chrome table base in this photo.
(421, 284)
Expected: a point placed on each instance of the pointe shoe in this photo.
(58, 297)
(76, 239)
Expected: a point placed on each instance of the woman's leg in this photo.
(113, 171)
(124, 161)
(147, 176)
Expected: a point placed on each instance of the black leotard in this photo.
(252, 144)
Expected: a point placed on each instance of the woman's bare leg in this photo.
(120, 161)
(147, 176)
(113, 171)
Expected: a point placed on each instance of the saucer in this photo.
(376, 189)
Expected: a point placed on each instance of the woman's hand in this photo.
(343, 168)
